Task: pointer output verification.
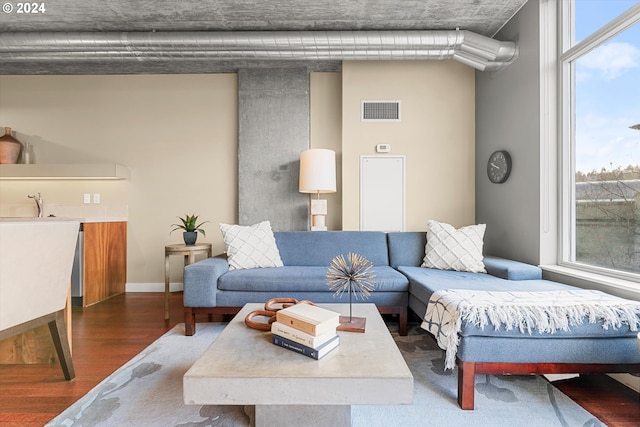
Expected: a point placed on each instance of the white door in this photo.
(382, 193)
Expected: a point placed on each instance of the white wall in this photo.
(325, 104)
(176, 133)
(178, 136)
(436, 134)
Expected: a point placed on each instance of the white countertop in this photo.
(103, 219)
(58, 218)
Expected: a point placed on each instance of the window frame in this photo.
(568, 54)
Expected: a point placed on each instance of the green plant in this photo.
(189, 224)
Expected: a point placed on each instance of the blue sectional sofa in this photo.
(587, 348)
(210, 287)
(406, 252)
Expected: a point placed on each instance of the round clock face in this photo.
(499, 166)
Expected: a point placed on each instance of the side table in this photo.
(189, 252)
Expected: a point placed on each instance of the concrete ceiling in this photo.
(484, 17)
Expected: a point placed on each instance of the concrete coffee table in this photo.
(243, 367)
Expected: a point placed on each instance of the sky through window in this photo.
(607, 90)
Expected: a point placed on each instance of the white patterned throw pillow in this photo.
(251, 246)
(451, 249)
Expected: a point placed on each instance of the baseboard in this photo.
(153, 287)
(629, 380)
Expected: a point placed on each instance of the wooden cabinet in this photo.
(105, 261)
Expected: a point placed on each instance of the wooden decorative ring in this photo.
(262, 326)
(306, 301)
(286, 302)
(270, 312)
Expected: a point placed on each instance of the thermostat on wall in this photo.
(383, 148)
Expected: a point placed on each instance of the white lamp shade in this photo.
(317, 171)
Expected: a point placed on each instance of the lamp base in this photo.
(318, 207)
(357, 324)
(317, 222)
(318, 213)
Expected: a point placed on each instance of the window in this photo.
(601, 135)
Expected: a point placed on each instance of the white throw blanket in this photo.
(543, 311)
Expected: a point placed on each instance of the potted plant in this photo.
(191, 228)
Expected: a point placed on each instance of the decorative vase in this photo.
(28, 156)
(9, 148)
(190, 237)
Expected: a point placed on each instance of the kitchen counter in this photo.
(26, 219)
(99, 270)
(103, 219)
(57, 218)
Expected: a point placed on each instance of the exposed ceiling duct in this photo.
(121, 48)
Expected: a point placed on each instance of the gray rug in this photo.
(147, 391)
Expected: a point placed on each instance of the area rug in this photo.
(147, 391)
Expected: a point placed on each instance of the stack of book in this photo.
(306, 329)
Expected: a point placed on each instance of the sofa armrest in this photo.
(201, 281)
(511, 270)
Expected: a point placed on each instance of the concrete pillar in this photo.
(273, 120)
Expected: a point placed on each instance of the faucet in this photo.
(38, 201)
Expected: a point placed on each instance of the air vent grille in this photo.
(380, 111)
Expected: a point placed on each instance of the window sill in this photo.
(572, 276)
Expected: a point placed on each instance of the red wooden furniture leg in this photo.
(402, 321)
(189, 321)
(466, 384)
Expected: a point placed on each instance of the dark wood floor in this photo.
(108, 334)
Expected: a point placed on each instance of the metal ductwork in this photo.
(115, 48)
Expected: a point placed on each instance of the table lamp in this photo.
(318, 175)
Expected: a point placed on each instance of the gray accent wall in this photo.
(517, 110)
(273, 121)
(508, 117)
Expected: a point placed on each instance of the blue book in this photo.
(315, 353)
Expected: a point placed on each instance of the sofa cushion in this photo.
(406, 248)
(240, 298)
(449, 248)
(425, 281)
(303, 279)
(511, 270)
(583, 330)
(558, 350)
(250, 246)
(318, 248)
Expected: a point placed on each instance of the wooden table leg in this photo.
(188, 257)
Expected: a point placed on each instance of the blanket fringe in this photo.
(549, 319)
(528, 312)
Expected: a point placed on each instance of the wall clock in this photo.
(499, 166)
